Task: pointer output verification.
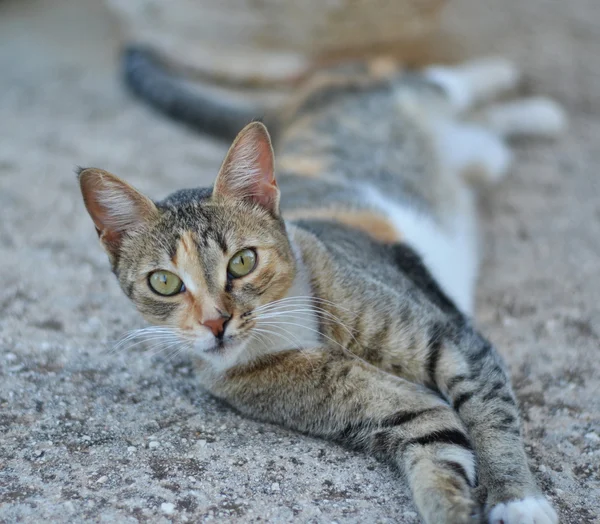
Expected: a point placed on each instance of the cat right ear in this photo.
(115, 207)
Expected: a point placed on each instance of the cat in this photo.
(220, 107)
(337, 299)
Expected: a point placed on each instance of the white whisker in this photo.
(308, 299)
(285, 338)
(305, 327)
(156, 336)
(319, 312)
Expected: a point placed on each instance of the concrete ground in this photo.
(86, 434)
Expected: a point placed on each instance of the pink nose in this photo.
(217, 325)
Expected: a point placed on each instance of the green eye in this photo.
(242, 263)
(165, 283)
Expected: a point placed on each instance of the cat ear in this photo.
(248, 171)
(115, 206)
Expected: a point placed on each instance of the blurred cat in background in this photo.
(197, 60)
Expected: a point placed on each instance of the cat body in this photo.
(342, 309)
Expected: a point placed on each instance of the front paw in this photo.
(530, 510)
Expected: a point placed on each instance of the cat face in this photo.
(201, 261)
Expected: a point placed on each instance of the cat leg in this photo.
(333, 395)
(474, 82)
(471, 375)
(474, 153)
(477, 150)
(535, 117)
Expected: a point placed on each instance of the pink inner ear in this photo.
(266, 183)
(114, 205)
(248, 170)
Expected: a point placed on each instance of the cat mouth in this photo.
(221, 345)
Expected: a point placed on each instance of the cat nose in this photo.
(217, 325)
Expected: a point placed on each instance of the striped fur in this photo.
(355, 323)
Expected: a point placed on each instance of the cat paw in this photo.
(530, 510)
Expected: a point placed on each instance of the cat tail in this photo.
(199, 107)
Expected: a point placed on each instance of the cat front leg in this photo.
(331, 395)
(471, 374)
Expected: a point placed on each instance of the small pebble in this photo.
(592, 436)
(202, 443)
(102, 479)
(275, 486)
(132, 449)
(153, 444)
(167, 508)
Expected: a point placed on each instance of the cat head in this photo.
(201, 261)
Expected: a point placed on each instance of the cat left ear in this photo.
(248, 171)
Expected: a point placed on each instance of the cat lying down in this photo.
(337, 299)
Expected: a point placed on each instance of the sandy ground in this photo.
(86, 434)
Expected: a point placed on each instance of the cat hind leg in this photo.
(478, 155)
(474, 82)
(536, 117)
(477, 148)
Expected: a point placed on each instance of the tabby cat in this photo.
(342, 310)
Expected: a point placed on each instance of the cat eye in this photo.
(165, 283)
(242, 263)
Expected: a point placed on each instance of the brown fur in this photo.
(377, 226)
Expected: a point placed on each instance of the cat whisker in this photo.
(289, 337)
(156, 335)
(295, 324)
(286, 338)
(308, 299)
(321, 313)
(135, 342)
(160, 347)
(177, 351)
(149, 333)
(344, 349)
(298, 308)
(141, 332)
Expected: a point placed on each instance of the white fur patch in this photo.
(467, 148)
(450, 254)
(536, 117)
(530, 510)
(474, 82)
